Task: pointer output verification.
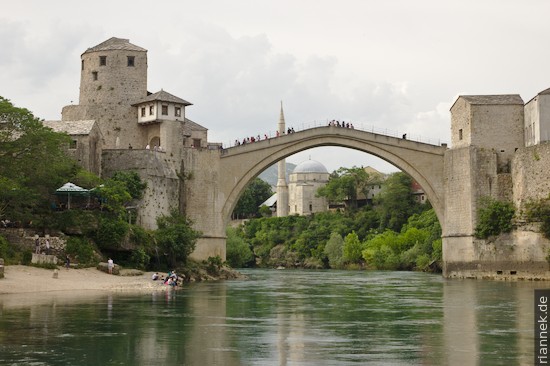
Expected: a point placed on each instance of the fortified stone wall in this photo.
(159, 170)
(520, 254)
(531, 176)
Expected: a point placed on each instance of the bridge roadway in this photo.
(422, 161)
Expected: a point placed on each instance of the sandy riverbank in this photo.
(25, 279)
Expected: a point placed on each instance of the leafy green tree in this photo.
(351, 251)
(395, 202)
(175, 237)
(111, 233)
(345, 184)
(334, 250)
(238, 253)
(33, 163)
(114, 196)
(494, 217)
(132, 181)
(253, 196)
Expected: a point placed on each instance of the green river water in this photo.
(279, 317)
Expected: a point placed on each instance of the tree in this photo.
(352, 249)
(238, 254)
(114, 196)
(396, 202)
(175, 237)
(345, 184)
(254, 195)
(133, 183)
(33, 163)
(333, 250)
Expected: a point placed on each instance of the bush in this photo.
(140, 259)
(175, 237)
(6, 250)
(80, 249)
(213, 265)
(494, 218)
(238, 253)
(111, 233)
(540, 211)
(26, 258)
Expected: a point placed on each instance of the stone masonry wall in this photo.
(531, 174)
(204, 202)
(159, 170)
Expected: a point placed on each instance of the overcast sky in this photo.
(395, 64)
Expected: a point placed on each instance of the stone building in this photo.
(115, 101)
(537, 119)
(119, 125)
(304, 181)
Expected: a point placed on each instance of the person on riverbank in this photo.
(110, 265)
(37, 245)
(47, 246)
(67, 261)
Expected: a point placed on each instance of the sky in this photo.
(395, 65)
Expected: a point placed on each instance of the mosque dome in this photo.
(310, 166)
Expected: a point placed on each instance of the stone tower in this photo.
(113, 77)
(282, 187)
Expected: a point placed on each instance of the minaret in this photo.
(282, 187)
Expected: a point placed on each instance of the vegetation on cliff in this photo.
(494, 217)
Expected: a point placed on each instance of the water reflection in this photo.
(279, 318)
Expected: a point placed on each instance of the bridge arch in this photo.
(423, 162)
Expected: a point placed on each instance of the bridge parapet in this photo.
(359, 127)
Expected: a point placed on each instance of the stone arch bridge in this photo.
(241, 164)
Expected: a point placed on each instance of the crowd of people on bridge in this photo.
(335, 123)
(252, 139)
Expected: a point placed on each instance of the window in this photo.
(178, 112)
(164, 110)
(82, 64)
(131, 61)
(72, 144)
(143, 111)
(94, 75)
(102, 60)
(310, 207)
(151, 110)
(460, 134)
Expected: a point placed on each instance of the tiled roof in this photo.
(115, 44)
(190, 125)
(71, 127)
(545, 92)
(493, 99)
(163, 96)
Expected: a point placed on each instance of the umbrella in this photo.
(71, 189)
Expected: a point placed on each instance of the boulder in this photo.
(104, 267)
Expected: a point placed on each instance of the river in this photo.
(280, 317)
